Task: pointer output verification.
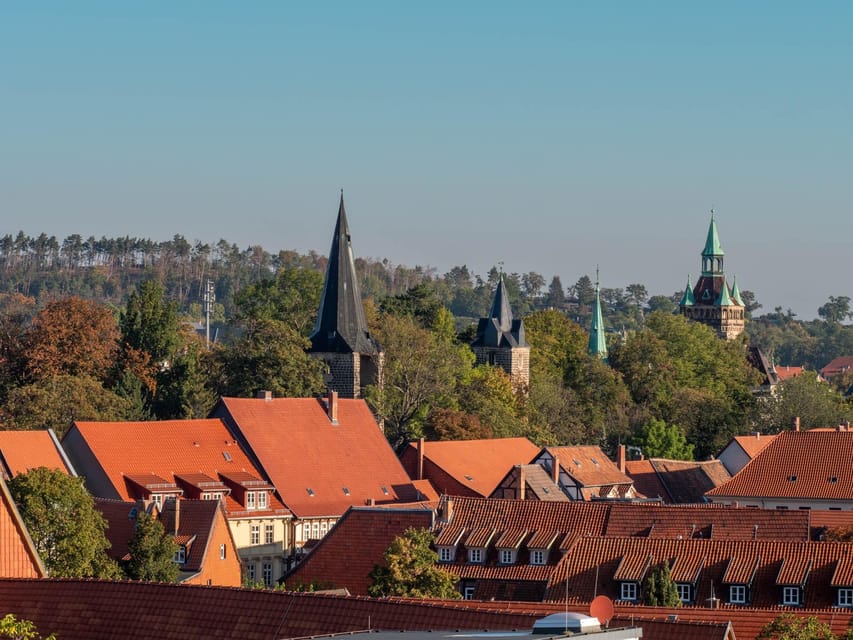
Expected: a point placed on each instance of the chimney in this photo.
(371, 502)
(797, 423)
(421, 445)
(620, 457)
(522, 482)
(448, 510)
(845, 425)
(175, 504)
(264, 395)
(555, 470)
(332, 406)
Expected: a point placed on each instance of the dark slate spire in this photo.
(501, 310)
(341, 327)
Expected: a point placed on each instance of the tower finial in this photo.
(501, 268)
(596, 276)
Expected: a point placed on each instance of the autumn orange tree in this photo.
(71, 336)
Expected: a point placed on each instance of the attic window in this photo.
(346, 491)
(227, 456)
(310, 491)
(792, 478)
(595, 462)
(833, 479)
(576, 461)
(469, 478)
(546, 490)
(385, 490)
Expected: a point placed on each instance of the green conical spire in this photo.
(597, 343)
(712, 243)
(687, 299)
(736, 293)
(724, 299)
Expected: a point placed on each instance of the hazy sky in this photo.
(552, 136)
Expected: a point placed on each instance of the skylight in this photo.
(469, 478)
(227, 456)
(385, 490)
(576, 461)
(833, 479)
(595, 462)
(792, 478)
(346, 491)
(310, 491)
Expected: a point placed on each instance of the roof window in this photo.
(469, 478)
(384, 489)
(595, 462)
(346, 491)
(310, 491)
(792, 478)
(833, 479)
(227, 456)
(576, 461)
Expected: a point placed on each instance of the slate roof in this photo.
(797, 464)
(319, 468)
(477, 466)
(128, 456)
(345, 557)
(499, 329)
(341, 326)
(21, 451)
(18, 555)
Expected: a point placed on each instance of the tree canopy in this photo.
(410, 569)
(151, 551)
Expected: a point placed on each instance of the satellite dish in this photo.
(602, 608)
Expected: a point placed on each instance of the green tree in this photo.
(151, 551)
(292, 297)
(659, 590)
(836, 310)
(410, 569)
(67, 530)
(150, 323)
(556, 294)
(11, 627)
(187, 387)
(657, 439)
(815, 402)
(789, 626)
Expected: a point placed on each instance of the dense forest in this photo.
(108, 329)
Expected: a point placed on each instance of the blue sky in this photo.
(550, 136)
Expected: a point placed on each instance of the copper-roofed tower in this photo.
(597, 343)
(340, 337)
(711, 301)
(500, 341)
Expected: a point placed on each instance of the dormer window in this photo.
(628, 591)
(791, 596)
(507, 556)
(685, 591)
(475, 556)
(157, 499)
(538, 556)
(737, 594)
(250, 499)
(845, 597)
(180, 556)
(792, 478)
(262, 499)
(446, 554)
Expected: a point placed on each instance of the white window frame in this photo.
(251, 571)
(685, 591)
(315, 530)
(537, 557)
(845, 597)
(469, 593)
(507, 556)
(306, 531)
(222, 552)
(628, 591)
(267, 574)
(269, 533)
(445, 554)
(250, 500)
(791, 596)
(255, 534)
(475, 555)
(737, 594)
(180, 556)
(324, 527)
(262, 499)
(157, 499)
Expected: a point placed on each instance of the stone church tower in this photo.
(340, 337)
(500, 341)
(712, 301)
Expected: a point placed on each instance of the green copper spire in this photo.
(736, 293)
(724, 299)
(597, 343)
(712, 243)
(687, 300)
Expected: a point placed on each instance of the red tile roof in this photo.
(741, 569)
(794, 570)
(345, 557)
(797, 464)
(319, 468)
(843, 574)
(633, 567)
(754, 444)
(836, 366)
(646, 479)
(476, 465)
(18, 555)
(154, 454)
(686, 481)
(24, 450)
(589, 466)
(786, 372)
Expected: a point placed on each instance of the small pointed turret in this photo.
(712, 254)
(597, 342)
(687, 300)
(724, 299)
(736, 293)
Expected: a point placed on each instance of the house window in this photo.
(469, 592)
(267, 574)
(445, 554)
(157, 499)
(306, 531)
(537, 556)
(180, 555)
(475, 555)
(684, 591)
(250, 499)
(222, 552)
(256, 534)
(737, 594)
(628, 591)
(315, 530)
(269, 533)
(262, 499)
(507, 556)
(250, 572)
(845, 597)
(323, 528)
(791, 596)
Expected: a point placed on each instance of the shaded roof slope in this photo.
(686, 481)
(478, 465)
(319, 468)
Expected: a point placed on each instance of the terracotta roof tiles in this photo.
(24, 450)
(633, 567)
(18, 555)
(837, 365)
(754, 444)
(589, 465)
(741, 569)
(843, 574)
(794, 570)
(646, 479)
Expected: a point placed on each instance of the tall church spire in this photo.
(340, 337)
(501, 311)
(597, 343)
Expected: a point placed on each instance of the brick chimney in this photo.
(522, 482)
(264, 395)
(796, 423)
(332, 406)
(620, 458)
(421, 445)
(555, 470)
